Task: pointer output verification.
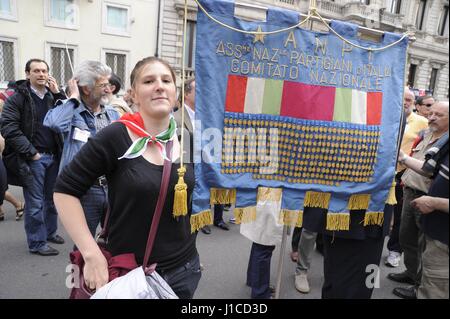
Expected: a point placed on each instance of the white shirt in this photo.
(40, 94)
(191, 113)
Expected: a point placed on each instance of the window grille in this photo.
(60, 65)
(117, 63)
(7, 65)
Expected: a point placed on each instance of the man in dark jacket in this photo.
(32, 153)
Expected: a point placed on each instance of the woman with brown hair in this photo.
(134, 174)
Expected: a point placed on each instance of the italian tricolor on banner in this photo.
(302, 101)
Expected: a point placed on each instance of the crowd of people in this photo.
(74, 153)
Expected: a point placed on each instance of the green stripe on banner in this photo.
(273, 92)
(343, 105)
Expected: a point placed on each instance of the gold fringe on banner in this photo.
(245, 215)
(358, 202)
(338, 221)
(317, 199)
(200, 220)
(291, 217)
(374, 218)
(222, 196)
(269, 194)
(391, 199)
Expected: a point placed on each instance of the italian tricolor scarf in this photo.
(135, 123)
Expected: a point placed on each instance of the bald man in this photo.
(412, 237)
(414, 125)
(434, 208)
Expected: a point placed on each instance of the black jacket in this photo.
(18, 127)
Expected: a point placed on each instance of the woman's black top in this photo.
(133, 189)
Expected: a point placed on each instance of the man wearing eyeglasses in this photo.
(423, 105)
(80, 117)
(415, 124)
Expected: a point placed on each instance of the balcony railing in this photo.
(331, 9)
(189, 73)
(363, 12)
(356, 9)
(288, 2)
(392, 19)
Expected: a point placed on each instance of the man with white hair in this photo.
(434, 208)
(83, 115)
(412, 238)
(414, 125)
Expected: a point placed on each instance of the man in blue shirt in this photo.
(83, 115)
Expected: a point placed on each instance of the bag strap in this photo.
(159, 206)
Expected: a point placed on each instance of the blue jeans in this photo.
(94, 203)
(41, 219)
(258, 271)
(184, 280)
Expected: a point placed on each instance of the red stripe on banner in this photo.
(236, 89)
(374, 107)
(311, 102)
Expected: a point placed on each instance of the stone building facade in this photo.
(428, 61)
(117, 32)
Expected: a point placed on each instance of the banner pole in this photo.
(68, 56)
(402, 113)
(280, 262)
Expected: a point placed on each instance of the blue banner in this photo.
(299, 110)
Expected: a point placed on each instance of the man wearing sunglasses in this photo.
(423, 105)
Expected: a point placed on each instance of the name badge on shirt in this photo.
(81, 135)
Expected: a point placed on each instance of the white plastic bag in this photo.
(136, 285)
(265, 229)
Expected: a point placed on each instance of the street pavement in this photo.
(223, 254)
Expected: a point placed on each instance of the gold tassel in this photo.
(222, 196)
(338, 221)
(359, 201)
(245, 215)
(374, 218)
(317, 199)
(180, 198)
(200, 220)
(291, 217)
(391, 199)
(269, 194)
